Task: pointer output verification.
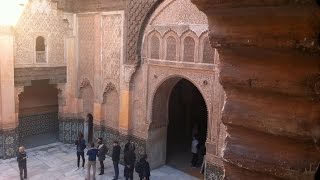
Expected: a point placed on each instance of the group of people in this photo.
(142, 167)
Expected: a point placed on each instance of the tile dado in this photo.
(214, 172)
(8, 143)
(69, 129)
(109, 135)
(37, 124)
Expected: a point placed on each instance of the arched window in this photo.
(171, 49)
(154, 47)
(40, 50)
(208, 52)
(189, 48)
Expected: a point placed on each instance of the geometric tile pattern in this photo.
(10, 143)
(109, 135)
(38, 124)
(69, 129)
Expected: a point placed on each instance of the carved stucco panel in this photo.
(112, 37)
(86, 36)
(178, 12)
(40, 18)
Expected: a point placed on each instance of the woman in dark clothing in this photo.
(81, 145)
(144, 174)
(129, 160)
(22, 162)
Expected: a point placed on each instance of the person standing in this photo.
(116, 158)
(22, 162)
(143, 168)
(129, 161)
(194, 151)
(128, 145)
(92, 153)
(102, 151)
(81, 145)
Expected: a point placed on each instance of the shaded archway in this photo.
(187, 118)
(177, 108)
(38, 114)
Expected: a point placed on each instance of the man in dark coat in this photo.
(144, 174)
(116, 158)
(22, 162)
(81, 145)
(129, 161)
(102, 151)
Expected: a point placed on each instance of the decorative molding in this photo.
(24, 76)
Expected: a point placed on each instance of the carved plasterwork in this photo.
(86, 36)
(178, 12)
(112, 38)
(18, 91)
(40, 17)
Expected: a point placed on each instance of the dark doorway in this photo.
(90, 128)
(187, 117)
(38, 114)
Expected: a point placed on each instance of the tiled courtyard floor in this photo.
(58, 162)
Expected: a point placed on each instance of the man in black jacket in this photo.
(115, 158)
(129, 161)
(22, 162)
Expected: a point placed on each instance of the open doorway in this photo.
(38, 114)
(187, 118)
(179, 112)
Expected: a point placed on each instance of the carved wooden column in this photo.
(269, 69)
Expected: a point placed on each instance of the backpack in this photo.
(138, 167)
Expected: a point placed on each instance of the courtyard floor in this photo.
(57, 161)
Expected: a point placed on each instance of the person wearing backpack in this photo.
(81, 145)
(129, 160)
(143, 168)
(102, 151)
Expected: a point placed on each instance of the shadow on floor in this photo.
(39, 140)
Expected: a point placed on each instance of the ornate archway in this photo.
(165, 109)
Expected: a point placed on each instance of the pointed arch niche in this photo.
(110, 107)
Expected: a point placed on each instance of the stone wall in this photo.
(38, 124)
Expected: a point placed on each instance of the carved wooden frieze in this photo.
(24, 76)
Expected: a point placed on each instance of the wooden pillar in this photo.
(269, 70)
